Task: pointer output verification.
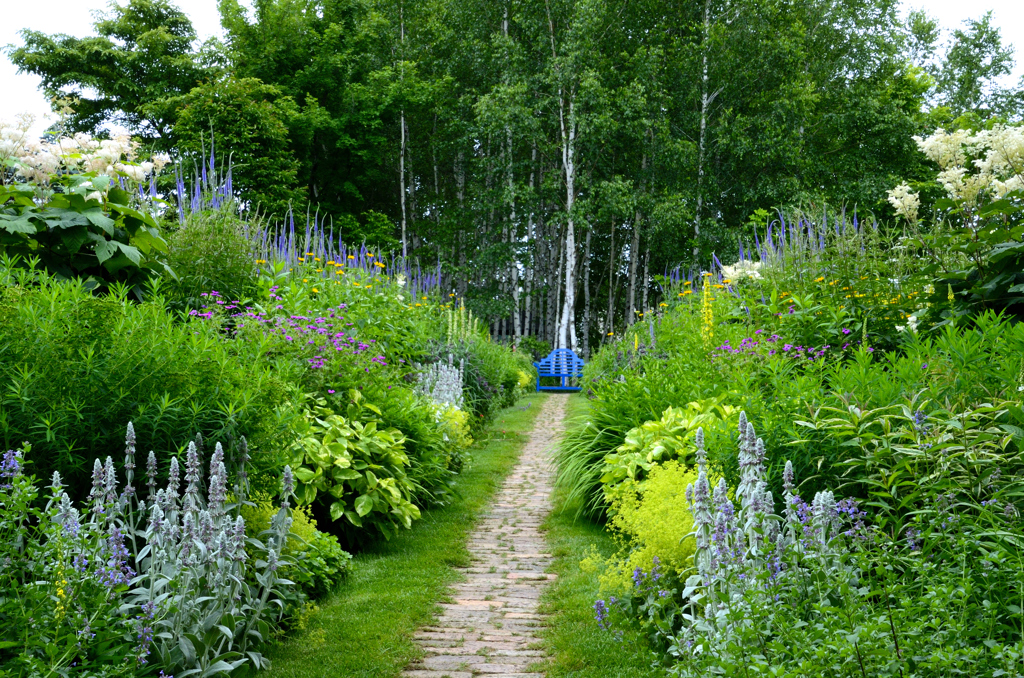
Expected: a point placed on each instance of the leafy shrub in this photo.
(319, 563)
(669, 438)
(211, 251)
(171, 590)
(924, 585)
(75, 365)
(69, 209)
(652, 521)
(357, 469)
(534, 347)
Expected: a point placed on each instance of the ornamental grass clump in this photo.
(135, 585)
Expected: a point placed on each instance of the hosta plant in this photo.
(356, 468)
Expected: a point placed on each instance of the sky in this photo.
(20, 93)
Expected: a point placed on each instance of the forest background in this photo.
(552, 157)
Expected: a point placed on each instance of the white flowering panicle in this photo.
(39, 162)
(742, 269)
(974, 167)
(905, 202)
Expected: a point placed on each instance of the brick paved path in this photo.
(489, 627)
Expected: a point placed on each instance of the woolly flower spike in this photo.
(217, 458)
(129, 448)
(287, 485)
(788, 478)
(192, 476)
(238, 538)
(96, 493)
(109, 481)
(702, 518)
(698, 440)
(218, 490)
(56, 483)
(151, 471)
(173, 482)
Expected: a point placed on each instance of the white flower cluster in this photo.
(905, 202)
(996, 169)
(742, 269)
(40, 161)
(442, 383)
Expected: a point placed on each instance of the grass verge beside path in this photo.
(366, 628)
(578, 647)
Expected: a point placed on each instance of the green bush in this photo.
(317, 562)
(76, 366)
(354, 467)
(211, 251)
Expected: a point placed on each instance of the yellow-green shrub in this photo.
(456, 427)
(649, 518)
(320, 562)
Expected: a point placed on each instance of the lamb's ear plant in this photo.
(167, 583)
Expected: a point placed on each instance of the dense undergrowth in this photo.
(297, 407)
(872, 385)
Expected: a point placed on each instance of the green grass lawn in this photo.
(578, 647)
(366, 628)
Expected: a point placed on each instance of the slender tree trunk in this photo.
(460, 194)
(647, 261)
(401, 183)
(634, 257)
(610, 318)
(707, 98)
(568, 318)
(531, 263)
(586, 296)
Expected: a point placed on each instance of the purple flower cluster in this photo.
(323, 336)
(10, 468)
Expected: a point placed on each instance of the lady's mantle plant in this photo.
(130, 585)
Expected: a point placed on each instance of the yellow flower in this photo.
(419, 304)
(610, 333)
(316, 258)
(316, 290)
(351, 256)
(718, 287)
(662, 304)
(305, 280)
(819, 280)
(424, 298)
(377, 263)
(369, 255)
(687, 282)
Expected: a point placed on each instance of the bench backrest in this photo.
(560, 362)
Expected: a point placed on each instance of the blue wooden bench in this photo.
(561, 363)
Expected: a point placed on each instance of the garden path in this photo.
(489, 627)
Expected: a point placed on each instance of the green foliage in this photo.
(355, 468)
(211, 251)
(245, 121)
(535, 347)
(318, 564)
(142, 54)
(77, 366)
(652, 523)
(669, 438)
(91, 231)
